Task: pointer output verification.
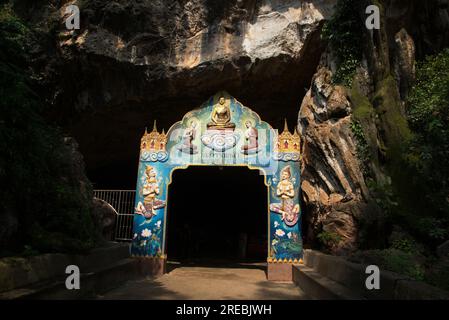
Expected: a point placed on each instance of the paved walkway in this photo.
(200, 283)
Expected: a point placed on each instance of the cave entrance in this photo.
(204, 227)
(217, 208)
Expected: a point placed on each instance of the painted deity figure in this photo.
(287, 208)
(221, 117)
(252, 139)
(149, 191)
(188, 136)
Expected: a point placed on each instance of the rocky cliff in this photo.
(135, 61)
(352, 136)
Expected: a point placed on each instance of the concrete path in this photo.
(201, 283)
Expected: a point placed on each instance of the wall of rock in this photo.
(334, 181)
(136, 61)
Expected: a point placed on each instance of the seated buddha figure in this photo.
(221, 117)
(251, 138)
(188, 136)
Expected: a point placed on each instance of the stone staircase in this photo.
(325, 277)
(43, 277)
(318, 287)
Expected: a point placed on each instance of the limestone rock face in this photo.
(427, 22)
(337, 200)
(192, 48)
(404, 62)
(135, 61)
(333, 186)
(105, 217)
(200, 30)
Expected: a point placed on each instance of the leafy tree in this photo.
(38, 186)
(344, 32)
(428, 114)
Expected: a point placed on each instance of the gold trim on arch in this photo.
(263, 170)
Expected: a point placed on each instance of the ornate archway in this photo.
(222, 132)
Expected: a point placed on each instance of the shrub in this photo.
(428, 154)
(329, 239)
(37, 181)
(344, 32)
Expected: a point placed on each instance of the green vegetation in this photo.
(406, 256)
(428, 155)
(438, 273)
(329, 239)
(399, 261)
(418, 162)
(364, 130)
(363, 150)
(418, 153)
(385, 197)
(387, 103)
(48, 206)
(409, 148)
(344, 32)
(416, 156)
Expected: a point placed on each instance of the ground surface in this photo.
(213, 283)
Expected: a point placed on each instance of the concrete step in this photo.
(91, 283)
(318, 287)
(100, 257)
(25, 272)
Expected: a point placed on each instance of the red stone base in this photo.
(151, 266)
(280, 271)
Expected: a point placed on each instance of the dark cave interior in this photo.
(217, 213)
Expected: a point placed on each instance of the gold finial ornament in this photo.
(288, 142)
(286, 125)
(154, 126)
(153, 141)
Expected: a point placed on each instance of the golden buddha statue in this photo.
(221, 117)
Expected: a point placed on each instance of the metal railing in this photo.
(123, 202)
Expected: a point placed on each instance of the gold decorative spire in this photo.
(288, 142)
(286, 125)
(153, 141)
(154, 126)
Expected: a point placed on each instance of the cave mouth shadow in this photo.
(217, 217)
(216, 264)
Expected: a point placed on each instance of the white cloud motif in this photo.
(289, 235)
(280, 233)
(146, 233)
(158, 224)
(276, 224)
